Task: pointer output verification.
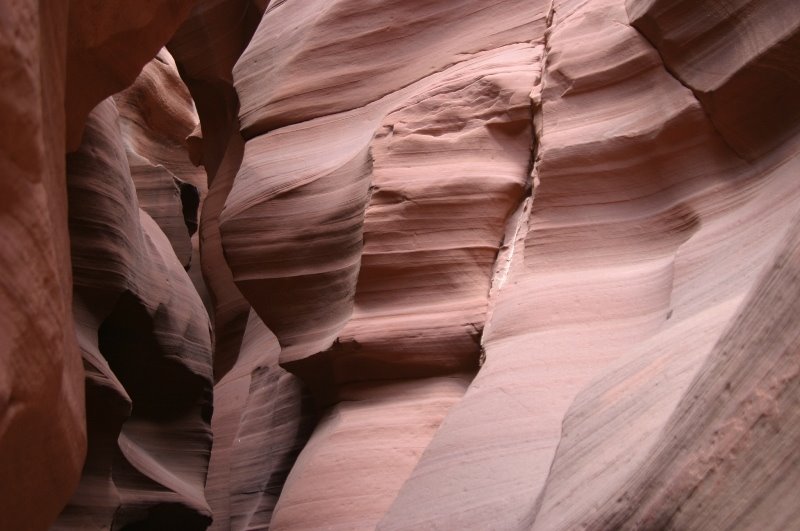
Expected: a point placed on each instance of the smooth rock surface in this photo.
(100, 57)
(739, 58)
(146, 341)
(644, 234)
(262, 419)
(158, 118)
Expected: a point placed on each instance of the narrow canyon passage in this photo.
(387, 264)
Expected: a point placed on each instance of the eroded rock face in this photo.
(158, 118)
(740, 60)
(146, 341)
(263, 416)
(42, 425)
(50, 84)
(100, 58)
(629, 251)
(468, 265)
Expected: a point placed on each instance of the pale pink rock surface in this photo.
(738, 57)
(262, 414)
(711, 468)
(644, 235)
(262, 419)
(157, 118)
(623, 234)
(378, 431)
(337, 56)
(406, 174)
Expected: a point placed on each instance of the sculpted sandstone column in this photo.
(378, 176)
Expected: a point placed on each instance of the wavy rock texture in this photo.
(378, 431)
(339, 162)
(157, 117)
(206, 47)
(744, 399)
(488, 264)
(262, 413)
(262, 419)
(630, 247)
(388, 44)
(147, 350)
(100, 58)
(645, 234)
(355, 237)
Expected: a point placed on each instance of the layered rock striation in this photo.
(146, 341)
(490, 264)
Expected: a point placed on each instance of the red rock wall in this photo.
(42, 417)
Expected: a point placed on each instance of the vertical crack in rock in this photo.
(517, 223)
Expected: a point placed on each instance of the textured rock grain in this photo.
(42, 425)
(488, 264)
(741, 60)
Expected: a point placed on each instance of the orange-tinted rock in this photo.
(42, 426)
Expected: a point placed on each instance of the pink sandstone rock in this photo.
(206, 47)
(738, 58)
(262, 418)
(411, 302)
(512, 264)
(634, 249)
(262, 413)
(101, 59)
(147, 348)
(157, 117)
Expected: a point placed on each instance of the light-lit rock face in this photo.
(366, 239)
(507, 264)
(157, 118)
(644, 234)
(146, 341)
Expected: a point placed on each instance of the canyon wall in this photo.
(348, 264)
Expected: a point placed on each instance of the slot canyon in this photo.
(400, 265)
